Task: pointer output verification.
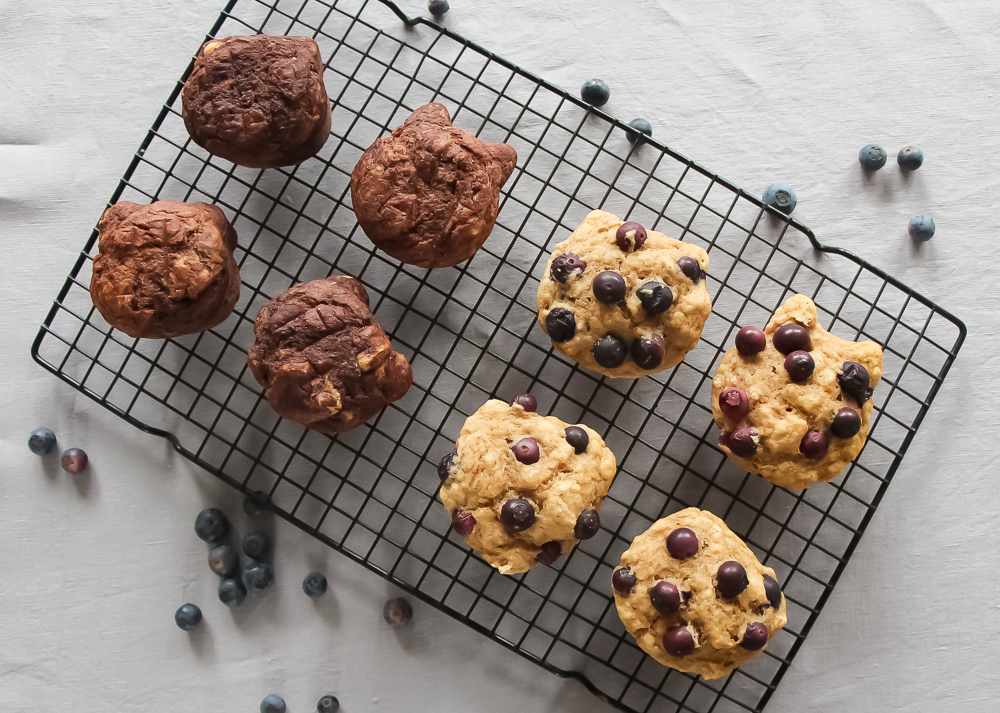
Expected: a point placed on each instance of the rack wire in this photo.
(470, 334)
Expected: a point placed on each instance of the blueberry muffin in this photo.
(164, 269)
(794, 402)
(523, 489)
(324, 360)
(429, 194)
(622, 300)
(258, 100)
(695, 597)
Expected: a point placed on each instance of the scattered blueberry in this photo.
(734, 403)
(187, 617)
(610, 352)
(647, 353)
(780, 196)
(397, 612)
(921, 228)
(549, 553)
(526, 451)
(578, 438)
(755, 637)
(846, 423)
(255, 503)
(525, 401)
(565, 266)
(655, 297)
(517, 515)
(328, 704)
(872, 157)
(814, 444)
(463, 522)
(609, 287)
(750, 341)
(232, 593)
(258, 577)
(773, 591)
(438, 7)
(691, 268)
(639, 128)
(665, 598)
(41, 440)
(800, 366)
(854, 381)
(792, 337)
(732, 579)
(679, 641)
(742, 442)
(910, 158)
(560, 325)
(445, 466)
(630, 236)
(595, 92)
(223, 560)
(74, 461)
(256, 545)
(211, 525)
(272, 704)
(587, 525)
(314, 585)
(682, 543)
(623, 580)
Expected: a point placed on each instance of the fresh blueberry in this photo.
(256, 545)
(630, 236)
(921, 228)
(255, 503)
(438, 7)
(792, 337)
(910, 158)
(610, 352)
(732, 579)
(682, 543)
(691, 268)
(655, 297)
(397, 612)
(41, 440)
(609, 287)
(258, 577)
(525, 401)
(750, 341)
(679, 641)
(232, 593)
(665, 597)
(445, 466)
(814, 445)
(272, 704)
(74, 461)
(578, 438)
(773, 591)
(211, 525)
(595, 92)
(526, 451)
(223, 560)
(549, 553)
(846, 423)
(647, 353)
(560, 325)
(517, 515)
(742, 442)
(565, 266)
(638, 129)
(734, 403)
(463, 522)
(314, 585)
(187, 617)
(623, 580)
(780, 196)
(800, 366)
(872, 157)
(328, 704)
(587, 525)
(854, 381)
(755, 637)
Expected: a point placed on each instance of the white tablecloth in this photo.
(92, 569)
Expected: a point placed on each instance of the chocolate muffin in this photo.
(258, 101)
(165, 269)
(324, 360)
(429, 194)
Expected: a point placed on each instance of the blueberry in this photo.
(734, 403)
(679, 641)
(609, 287)
(872, 157)
(517, 515)
(232, 593)
(742, 442)
(773, 591)
(623, 580)
(665, 598)
(780, 196)
(921, 228)
(655, 297)
(578, 438)
(314, 585)
(750, 341)
(800, 366)
(565, 266)
(560, 325)
(223, 560)
(638, 129)
(595, 92)
(910, 158)
(463, 522)
(610, 352)
(525, 401)
(328, 704)
(732, 579)
(854, 381)
(211, 525)
(258, 577)
(526, 451)
(187, 617)
(647, 353)
(792, 337)
(256, 545)
(814, 445)
(445, 466)
(587, 525)
(755, 637)
(397, 612)
(691, 268)
(630, 236)
(74, 461)
(272, 704)
(255, 503)
(846, 423)
(41, 440)
(549, 553)
(682, 543)
(438, 7)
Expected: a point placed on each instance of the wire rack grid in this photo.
(470, 334)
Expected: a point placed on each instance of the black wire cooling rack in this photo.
(470, 334)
